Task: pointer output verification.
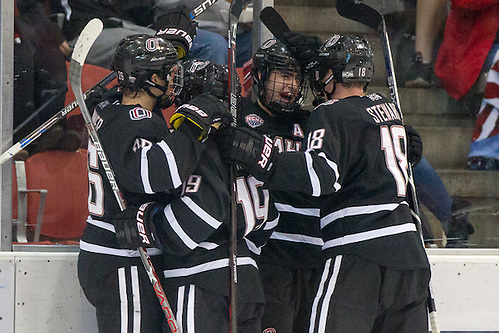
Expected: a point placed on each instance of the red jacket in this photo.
(470, 30)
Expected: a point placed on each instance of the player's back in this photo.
(369, 215)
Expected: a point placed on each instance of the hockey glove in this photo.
(248, 149)
(135, 227)
(414, 145)
(203, 112)
(458, 229)
(304, 48)
(177, 27)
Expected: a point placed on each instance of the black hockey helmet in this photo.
(139, 56)
(349, 57)
(202, 76)
(274, 55)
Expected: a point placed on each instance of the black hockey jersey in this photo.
(152, 165)
(198, 228)
(295, 241)
(149, 163)
(355, 160)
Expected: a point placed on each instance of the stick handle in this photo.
(16, 148)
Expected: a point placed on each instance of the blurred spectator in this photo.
(484, 148)
(470, 31)
(430, 21)
(122, 18)
(40, 77)
(434, 196)
(214, 20)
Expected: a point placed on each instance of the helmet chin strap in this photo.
(161, 102)
(325, 84)
(157, 86)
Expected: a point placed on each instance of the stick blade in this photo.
(360, 12)
(274, 22)
(237, 6)
(86, 39)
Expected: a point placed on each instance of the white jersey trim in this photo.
(252, 247)
(334, 167)
(314, 179)
(144, 170)
(297, 238)
(367, 235)
(358, 210)
(172, 164)
(272, 224)
(115, 252)
(209, 266)
(302, 211)
(172, 220)
(101, 224)
(194, 207)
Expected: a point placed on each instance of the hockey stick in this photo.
(235, 10)
(201, 8)
(274, 22)
(83, 45)
(58, 94)
(362, 13)
(16, 148)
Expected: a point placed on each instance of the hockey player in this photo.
(290, 260)
(193, 230)
(150, 164)
(375, 275)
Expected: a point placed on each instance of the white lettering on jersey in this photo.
(140, 113)
(298, 132)
(140, 143)
(192, 185)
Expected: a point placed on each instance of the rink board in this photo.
(39, 292)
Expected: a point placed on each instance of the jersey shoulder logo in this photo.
(140, 113)
(331, 101)
(254, 120)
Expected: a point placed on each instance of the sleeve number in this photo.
(254, 200)
(393, 143)
(95, 190)
(316, 139)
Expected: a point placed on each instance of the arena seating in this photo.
(50, 192)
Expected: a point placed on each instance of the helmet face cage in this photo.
(349, 57)
(274, 60)
(139, 56)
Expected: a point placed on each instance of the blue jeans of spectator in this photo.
(208, 45)
(431, 191)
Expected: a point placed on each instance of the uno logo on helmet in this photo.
(268, 44)
(253, 120)
(140, 113)
(151, 44)
(331, 41)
